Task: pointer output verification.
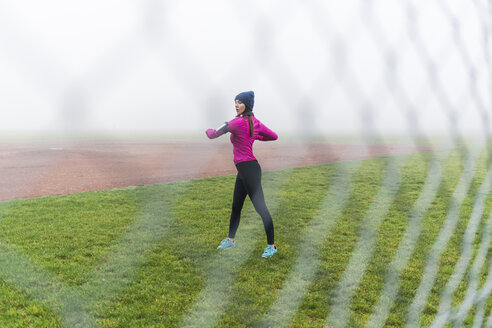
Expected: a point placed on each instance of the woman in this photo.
(245, 129)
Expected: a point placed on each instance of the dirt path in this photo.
(33, 169)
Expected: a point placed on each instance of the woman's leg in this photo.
(251, 175)
(237, 205)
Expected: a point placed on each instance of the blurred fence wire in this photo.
(399, 68)
(376, 71)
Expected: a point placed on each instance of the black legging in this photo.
(248, 182)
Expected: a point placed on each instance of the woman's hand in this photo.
(211, 133)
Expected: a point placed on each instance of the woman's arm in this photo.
(265, 134)
(212, 134)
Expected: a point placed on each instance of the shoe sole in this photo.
(226, 247)
(266, 257)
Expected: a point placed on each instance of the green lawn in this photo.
(146, 256)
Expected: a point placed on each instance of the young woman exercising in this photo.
(245, 128)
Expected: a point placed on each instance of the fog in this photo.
(320, 67)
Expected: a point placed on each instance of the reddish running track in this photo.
(40, 168)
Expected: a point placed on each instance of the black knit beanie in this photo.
(247, 98)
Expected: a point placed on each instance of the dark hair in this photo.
(249, 113)
(251, 127)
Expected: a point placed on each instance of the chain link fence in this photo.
(372, 71)
(319, 68)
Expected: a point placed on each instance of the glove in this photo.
(212, 134)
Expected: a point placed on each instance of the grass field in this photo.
(357, 247)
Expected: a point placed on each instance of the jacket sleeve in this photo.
(265, 134)
(212, 133)
(233, 125)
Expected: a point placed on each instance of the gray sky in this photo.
(175, 66)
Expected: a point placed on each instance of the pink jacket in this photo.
(242, 143)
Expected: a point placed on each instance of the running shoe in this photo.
(226, 243)
(269, 251)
